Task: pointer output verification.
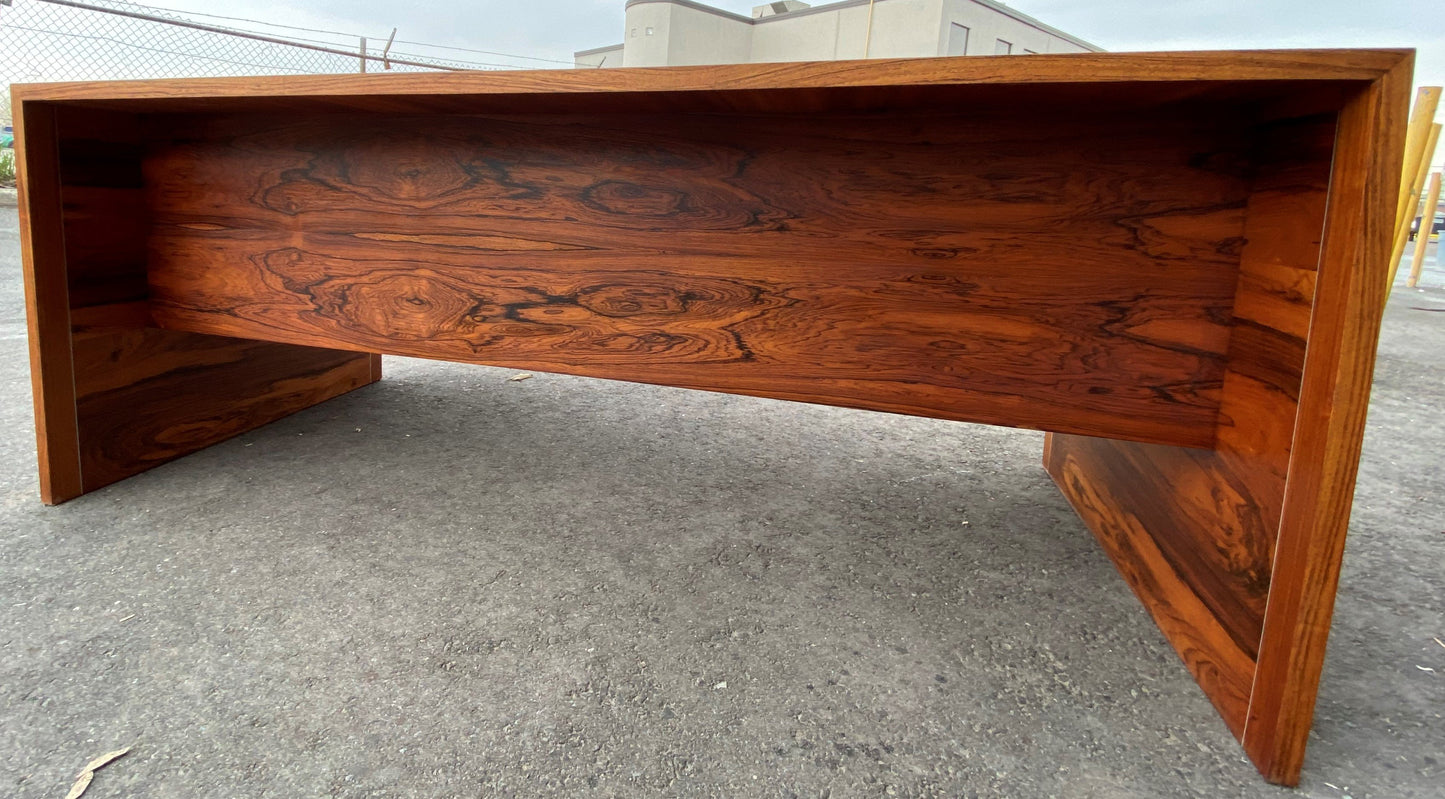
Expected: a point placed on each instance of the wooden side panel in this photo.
(47, 304)
(116, 395)
(1193, 531)
(991, 269)
(1334, 398)
(1145, 521)
(147, 396)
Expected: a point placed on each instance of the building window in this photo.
(957, 39)
(649, 30)
(634, 33)
(1001, 47)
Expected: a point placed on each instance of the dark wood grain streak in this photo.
(921, 264)
(100, 154)
(1194, 530)
(158, 409)
(1291, 422)
(116, 395)
(1104, 481)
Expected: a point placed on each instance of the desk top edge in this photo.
(1363, 65)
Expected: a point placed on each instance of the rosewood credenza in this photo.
(1174, 263)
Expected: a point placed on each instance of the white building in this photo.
(674, 32)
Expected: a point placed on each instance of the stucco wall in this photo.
(901, 28)
(987, 25)
(682, 34)
(808, 37)
(677, 32)
(605, 57)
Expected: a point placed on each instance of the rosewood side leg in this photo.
(1236, 550)
(115, 395)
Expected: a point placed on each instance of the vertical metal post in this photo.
(868, 36)
(363, 55)
(385, 63)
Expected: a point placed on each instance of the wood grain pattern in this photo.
(1193, 531)
(105, 215)
(1236, 551)
(933, 265)
(1334, 398)
(47, 303)
(1146, 523)
(1115, 79)
(115, 395)
(156, 409)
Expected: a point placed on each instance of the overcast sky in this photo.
(556, 28)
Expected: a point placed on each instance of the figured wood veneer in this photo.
(115, 395)
(1206, 520)
(872, 260)
(1172, 262)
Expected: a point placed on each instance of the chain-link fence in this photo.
(57, 40)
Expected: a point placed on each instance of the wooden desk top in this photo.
(1128, 76)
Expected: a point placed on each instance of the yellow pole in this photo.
(1427, 223)
(1416, 180)
(868, 37)
(1427, 100)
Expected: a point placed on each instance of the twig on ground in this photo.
(82, 781)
